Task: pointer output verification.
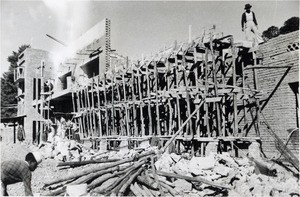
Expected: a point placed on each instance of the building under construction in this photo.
(215, 92)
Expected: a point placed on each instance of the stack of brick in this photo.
(280, 90)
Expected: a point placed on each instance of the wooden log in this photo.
(98, 168)
(98, 181)
(143, 180)
(170, 189)
(135, 191)
(127, 183)
(81, 163)
(147, 191)
(192, 179)
(117, 182)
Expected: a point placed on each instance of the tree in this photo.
(290, 25)
(271, 32)
(8, 86)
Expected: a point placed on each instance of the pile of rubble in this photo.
(244, 176)
(147, 171)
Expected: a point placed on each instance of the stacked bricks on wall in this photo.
(279, 86)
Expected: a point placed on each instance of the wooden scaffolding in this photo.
(202, 82)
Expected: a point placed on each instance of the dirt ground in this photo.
(46, 171)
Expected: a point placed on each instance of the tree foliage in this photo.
(271, 32)
(8, 86)
(290, 25)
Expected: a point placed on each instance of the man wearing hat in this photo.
(14, 171)
(249, 25)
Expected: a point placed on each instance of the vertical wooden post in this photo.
(125, 104)
(169, 99)
(197, 123)
(149, 101)
(235, 121)
(218, 119)
(105, 105)
(133, 102)
(139, 83)
(257, 100)
(99, 107)
(244, 102)
(189, 127)
(206, 93)
(158, 132)
(15, 132)
(177, 97)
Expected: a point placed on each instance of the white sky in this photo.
(136, 27)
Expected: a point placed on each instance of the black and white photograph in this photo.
(149, 98)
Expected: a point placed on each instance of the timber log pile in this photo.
(153, 173)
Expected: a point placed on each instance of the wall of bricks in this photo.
(280, 110)
(33, 58)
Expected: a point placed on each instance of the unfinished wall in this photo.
(32, 62)
(279, 100)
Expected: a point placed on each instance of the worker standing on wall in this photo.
(249, 25)
(14, 171)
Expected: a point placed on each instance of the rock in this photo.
(181, 167)
(197, 164)
(164, 163)
(254, 150)
(243, 162)
(211, 147)
(227, 159)
(182, 185)
(175, 157)
(258, 190)
(222, 170)
(76, 190)
(103, 145)
(144, 144)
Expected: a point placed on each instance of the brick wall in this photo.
(33, 58)
(280, 110)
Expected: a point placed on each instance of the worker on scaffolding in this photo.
(249, 25)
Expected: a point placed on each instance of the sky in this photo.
(137, 27)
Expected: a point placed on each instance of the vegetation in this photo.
(8, 86)
(290, 25)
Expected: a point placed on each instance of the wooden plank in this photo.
(213, 99)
